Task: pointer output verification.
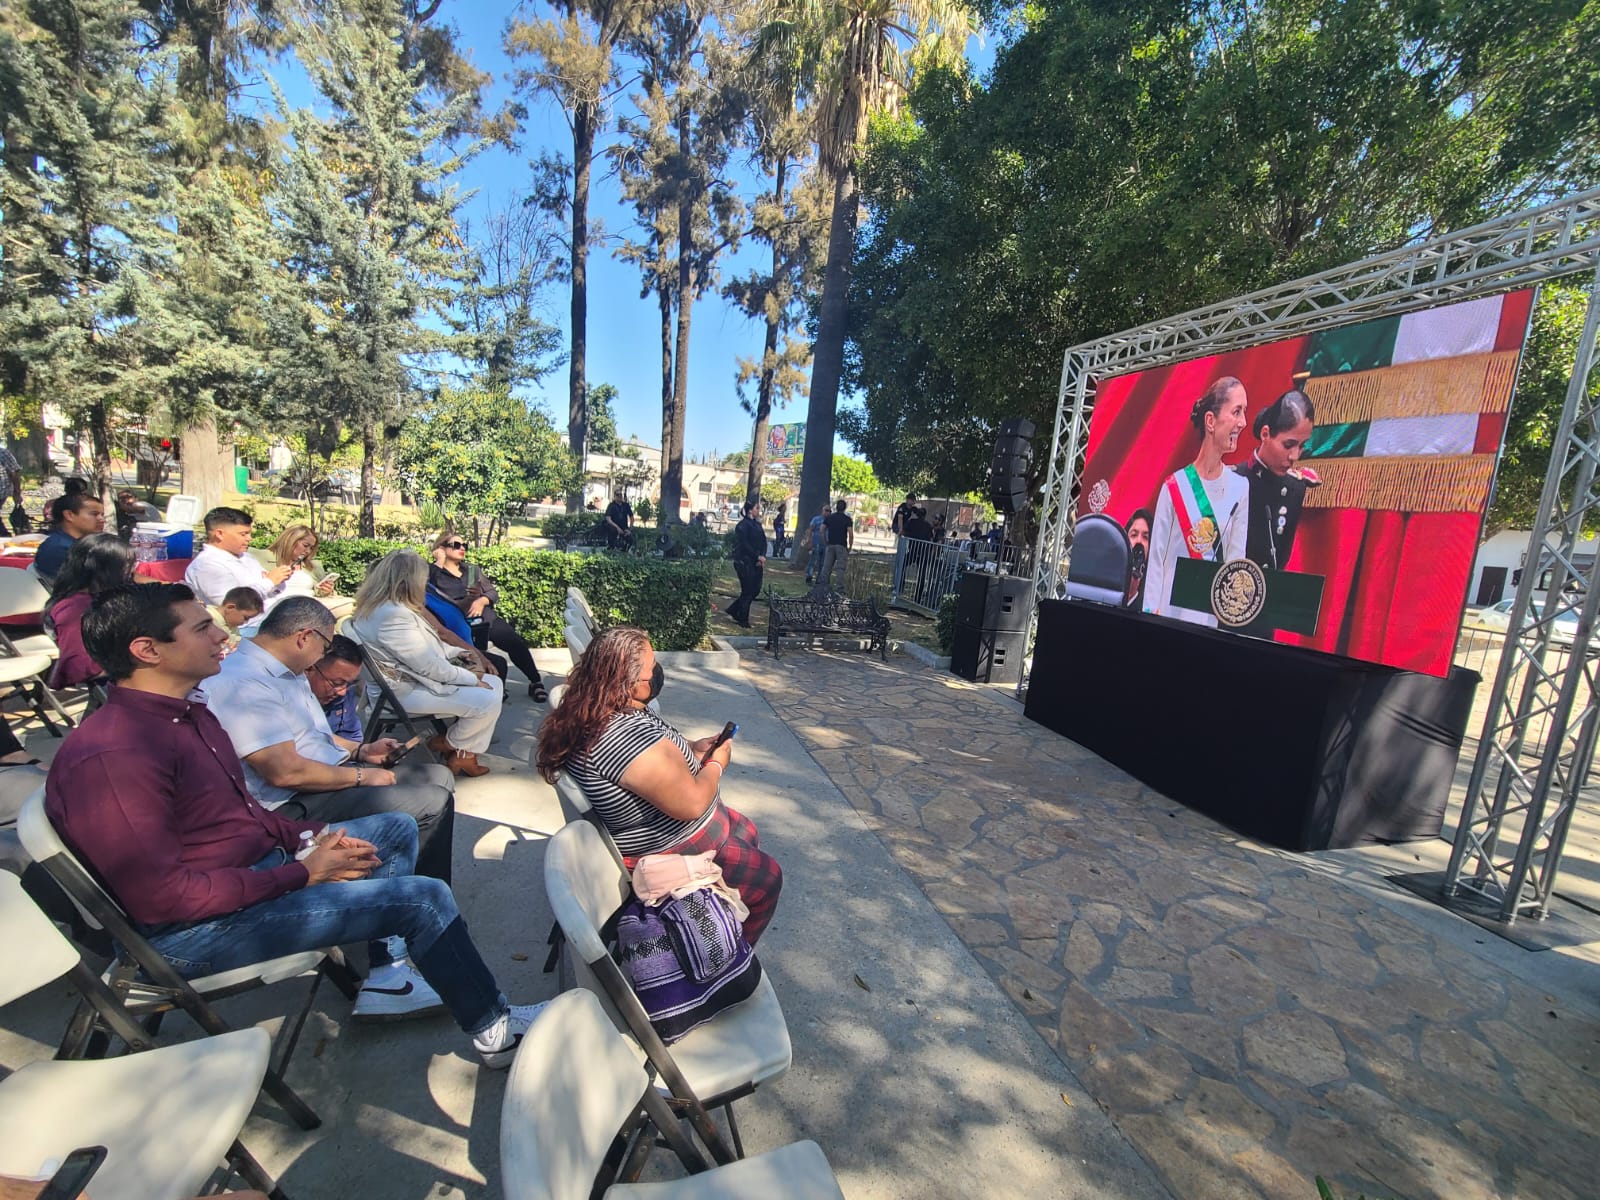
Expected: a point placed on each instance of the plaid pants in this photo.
(744, 864)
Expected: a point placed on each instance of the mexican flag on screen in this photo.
(1411, 409)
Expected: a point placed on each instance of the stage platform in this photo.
(1307, 751)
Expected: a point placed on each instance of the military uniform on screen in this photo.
(1275, 502)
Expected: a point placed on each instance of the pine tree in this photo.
(367, 221)
(86, 119)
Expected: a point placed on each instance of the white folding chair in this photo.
(145, 985)
(577, 640)
(579, 603)
(723, 1060)
(576, 1089)
(167, 1115)
(25, 663)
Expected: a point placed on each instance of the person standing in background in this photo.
(815, 533)
(840, 532)
(13, 472)
(780, 522)
(749, 561)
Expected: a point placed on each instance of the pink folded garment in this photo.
(659, 876)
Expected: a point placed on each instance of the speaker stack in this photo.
(1008, 471)
(991, 627)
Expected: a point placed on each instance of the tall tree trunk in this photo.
(100, 443)
(668, 410)
(369, 476)
(758, 440)
(205, 465)
(583, 130)
(672, 453)
(827, 361)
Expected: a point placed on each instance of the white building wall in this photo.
(1506, 551)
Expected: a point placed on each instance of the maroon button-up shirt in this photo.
(149, 793)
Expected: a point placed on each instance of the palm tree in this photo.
(855, 60)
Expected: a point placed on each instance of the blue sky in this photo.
(624, 339)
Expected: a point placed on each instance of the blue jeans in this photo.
(391, 901)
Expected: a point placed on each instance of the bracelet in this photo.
(714, 763)
(358, 773)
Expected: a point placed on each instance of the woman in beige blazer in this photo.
(428, 677)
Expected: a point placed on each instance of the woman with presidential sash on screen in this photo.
(1203, 509)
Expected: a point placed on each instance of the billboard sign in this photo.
(785, 443)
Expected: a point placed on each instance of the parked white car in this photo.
(1497, 619)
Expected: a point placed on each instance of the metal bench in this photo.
(826, 615)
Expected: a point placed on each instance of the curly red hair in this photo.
(599, 686)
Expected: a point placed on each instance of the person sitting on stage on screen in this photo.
(1138, 528)
(1202, 510)
(1277, 485)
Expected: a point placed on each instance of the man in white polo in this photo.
(294, 764)
(224, 562)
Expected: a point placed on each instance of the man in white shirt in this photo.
(295, 764)
(224, 562)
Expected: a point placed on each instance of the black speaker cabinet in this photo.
(988, 655)
(993, 602)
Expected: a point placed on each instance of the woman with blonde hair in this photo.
(294, 548)
(656, 791)
(427, 676)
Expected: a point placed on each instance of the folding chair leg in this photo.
(289, 1035)
(289, 1100)
(555, 941)
(340, 975)
(50, 699)
(733, 1129)
(252, 1173)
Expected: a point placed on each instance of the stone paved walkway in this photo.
(1249, 1020)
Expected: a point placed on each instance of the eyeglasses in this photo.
(338, 685)
(327, 642)
(452, 545)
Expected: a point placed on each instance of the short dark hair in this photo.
(839, 507)
(75, 485)
(124, 613)
(296, 613)
(344, 649)
(222, 517)
(1140, 514)
(70, 503)
(245, 599)
(751, 505)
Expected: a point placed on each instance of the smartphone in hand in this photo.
(404, 750)
(728, 731)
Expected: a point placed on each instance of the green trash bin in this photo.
(241, 480)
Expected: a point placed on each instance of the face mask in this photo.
(657, 677)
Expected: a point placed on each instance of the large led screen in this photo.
(1325, 491)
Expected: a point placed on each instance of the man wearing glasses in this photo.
(335, 681)
(296, 764)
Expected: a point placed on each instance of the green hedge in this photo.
(671, 599)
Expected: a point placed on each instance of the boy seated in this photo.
(239, 607)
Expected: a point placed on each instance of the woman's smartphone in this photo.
(728, 731)
(404, 750)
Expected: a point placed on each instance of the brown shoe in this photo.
(464, 762)
(440, 744)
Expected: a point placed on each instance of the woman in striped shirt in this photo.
(645, 780)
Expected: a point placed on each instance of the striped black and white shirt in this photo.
(638, 826)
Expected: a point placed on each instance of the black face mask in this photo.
(657, 678)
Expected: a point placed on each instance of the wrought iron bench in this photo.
(826, 614)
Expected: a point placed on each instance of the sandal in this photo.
(537, 692)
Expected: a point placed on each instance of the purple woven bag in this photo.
(687, 960)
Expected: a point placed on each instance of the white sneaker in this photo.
(498, 1043)
(396, 993)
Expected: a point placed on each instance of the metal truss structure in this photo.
(1554, 240)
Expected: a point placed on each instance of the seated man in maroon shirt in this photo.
(149, 792)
